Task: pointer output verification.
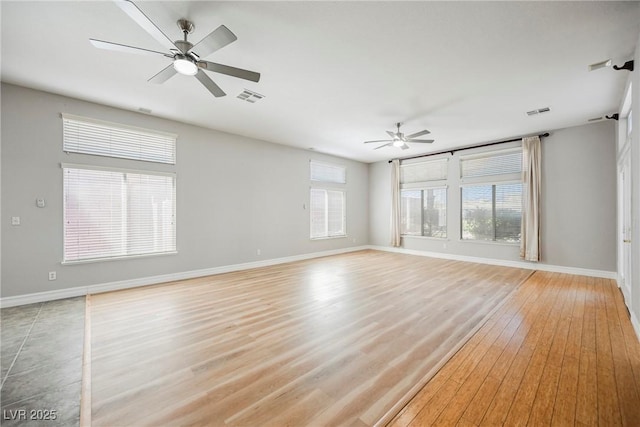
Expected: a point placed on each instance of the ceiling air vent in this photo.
(538, 111)
(250, 96)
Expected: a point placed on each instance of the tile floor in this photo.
(41, 363)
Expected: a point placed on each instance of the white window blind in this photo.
(433, 170)
(327, 213)
(490, 164)
(88, 136)
(325, 172)
(114, 213)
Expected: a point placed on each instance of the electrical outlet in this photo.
(15, 220)
(52, 275)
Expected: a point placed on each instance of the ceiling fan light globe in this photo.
(398, 143)
(186, 67)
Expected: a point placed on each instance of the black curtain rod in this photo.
(455, 150)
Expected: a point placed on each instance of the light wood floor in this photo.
(333, 341)
(561, 351)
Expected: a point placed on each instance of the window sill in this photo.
(344, 236)
(117, 258)
(490, 242)
(412, 236)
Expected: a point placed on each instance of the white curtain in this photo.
(531, 176)
(395, 203)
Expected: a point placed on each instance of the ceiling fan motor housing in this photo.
(183, 45)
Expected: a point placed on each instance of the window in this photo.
(88, 136)
(503, 162)
(327, 200)
(324, 172)
(491, 196)
(111, 213)
(424, 212)
(327, 213)
(423, 204)
(433, 170)
(492, 212)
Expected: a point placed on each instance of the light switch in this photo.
(15, 220)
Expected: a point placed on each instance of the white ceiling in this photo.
(338, 73)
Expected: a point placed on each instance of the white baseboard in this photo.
(505, 263)
(163, 278)
(152, 280)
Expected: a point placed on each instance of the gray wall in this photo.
(578, 204)
(237, 195)
(234, 195)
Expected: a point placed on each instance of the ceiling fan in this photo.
(398, 139)
(185, 55)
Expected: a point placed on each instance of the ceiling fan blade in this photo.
(427, 141)
(124, 48)
(404, 147)
(230, 71)
(417, 134)
(141, 19)
(209, 84)
(217, 39)
(385, 145)
(391, 134)
(379, 140)
(164, 75)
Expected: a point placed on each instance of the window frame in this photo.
(327, 185)
(344, 212)
(493, 185)
(443, 162)
(494, 178)
(123, 171)
(131, 137)
(329, 165)
(438, 185)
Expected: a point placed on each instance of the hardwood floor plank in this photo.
(564, 412)
(525, 396)
(630, 338)
(430, 412)
(608, 402)
(500, 407)
(543, 405)
(342, 340)
(628, 393)
(478, 406)
(336, 340)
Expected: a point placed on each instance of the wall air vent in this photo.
(598, 65)
(595, 119)
(538, 111)
(250, 96)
